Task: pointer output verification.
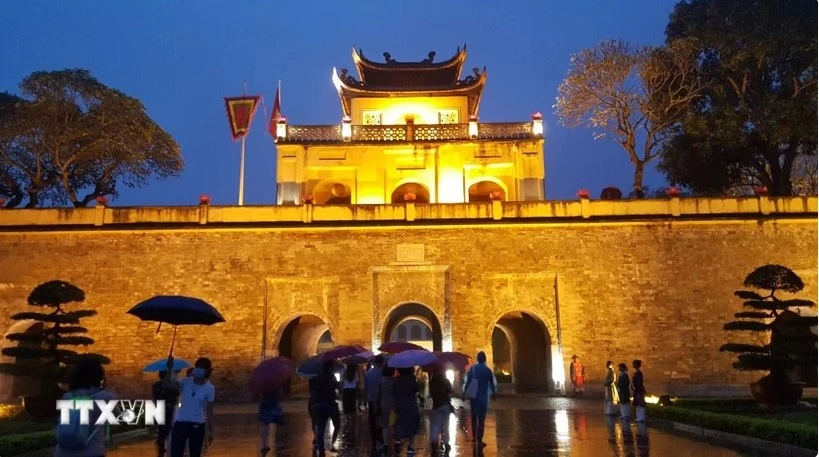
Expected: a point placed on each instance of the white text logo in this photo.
(114, 412)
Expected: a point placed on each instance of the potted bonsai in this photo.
(48, 350)
(772, 316)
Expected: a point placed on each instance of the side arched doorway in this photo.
(521, 349)
(13, 387)
(414, 320)
(332, 193)
(301, 338)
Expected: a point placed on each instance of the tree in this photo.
(70, 139)
(771, 315)
(635, 95)
(50, 347)
(756, 122)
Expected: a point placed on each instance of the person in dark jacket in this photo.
(639, 390)
(440, 389)
(323, 394)
(171, 397)
(623, 391)
(408, 416)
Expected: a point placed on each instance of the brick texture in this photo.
(655, 290)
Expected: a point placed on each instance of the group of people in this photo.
(393, 407)
(187, 427)
(622, 391)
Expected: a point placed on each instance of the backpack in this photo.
(74, 436)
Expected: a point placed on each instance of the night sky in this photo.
(181, 57)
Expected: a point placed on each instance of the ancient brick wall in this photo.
(657, 290)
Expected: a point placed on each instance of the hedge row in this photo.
(22, 443)
(804, 436)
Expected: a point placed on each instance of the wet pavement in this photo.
(522, 426)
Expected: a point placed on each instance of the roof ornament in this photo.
(430, 57)
(349, 79)
(476, 74)
(388, 58)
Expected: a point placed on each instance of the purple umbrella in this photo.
(412, 358)
(270, 375)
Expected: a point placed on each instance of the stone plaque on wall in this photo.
(410, 253)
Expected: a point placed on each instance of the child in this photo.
(270, 412)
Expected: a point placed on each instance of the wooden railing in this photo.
(403, 133)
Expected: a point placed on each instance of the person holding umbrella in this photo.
(194, 419)
(171, 398)
(323, 394)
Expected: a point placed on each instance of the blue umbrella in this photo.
(176, 310)
(162, 365)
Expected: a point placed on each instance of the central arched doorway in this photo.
(416, 323)
(301, 338)
(421, 193)
(521, 350)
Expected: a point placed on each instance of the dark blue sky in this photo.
(181, 57)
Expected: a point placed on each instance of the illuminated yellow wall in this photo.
(393, 110)
(373, 171)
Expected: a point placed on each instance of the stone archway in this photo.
(301, 338)
(420, 191)
(529, 351)
(331, 192)
(409, 313)
(13, 387)
(482, 191)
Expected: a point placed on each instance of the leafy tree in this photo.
(51, 346)
(634, 95)
(70, 139)
(756, 122)
(766, 314)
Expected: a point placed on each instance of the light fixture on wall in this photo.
(537, 124)
(473, 126)
(281, 128)
(346, 128)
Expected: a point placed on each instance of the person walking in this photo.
(194, 419)
(171, 398)
(623, 386)
(270, 412)
(639, 389)
(479, 383)
(610, 391)
(408, 416)
(323, 394)
(440, 389)
(74, 440)
(372, 380)
(349, 390)
(386, 406)
(577, 373)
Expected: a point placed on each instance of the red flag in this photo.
(240, 112)
(277, 112)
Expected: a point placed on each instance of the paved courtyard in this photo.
(524, 426)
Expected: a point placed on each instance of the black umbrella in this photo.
(314, 366)
(176, 310)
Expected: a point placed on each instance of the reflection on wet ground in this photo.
(524, 426)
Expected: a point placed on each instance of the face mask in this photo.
(199, 373)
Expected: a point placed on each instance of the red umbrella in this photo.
(394, 347)
(340, 352)
(270, 375)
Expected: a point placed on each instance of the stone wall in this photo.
(658, 289)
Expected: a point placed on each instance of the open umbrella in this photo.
(358, 359)
(394, 347)
(162, 365)
(412, 358)
(270, 375)
(176, 310)
(314, 366)
(339, 352)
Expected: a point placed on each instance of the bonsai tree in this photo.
(774, 316)
(49, 349)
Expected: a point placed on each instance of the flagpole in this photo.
(242, 162)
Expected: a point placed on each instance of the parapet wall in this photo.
(342, 215)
